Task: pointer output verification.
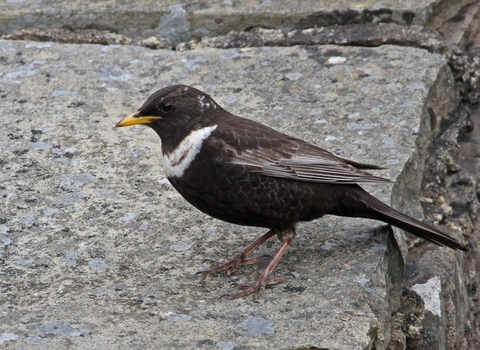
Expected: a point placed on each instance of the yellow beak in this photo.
(135, 118)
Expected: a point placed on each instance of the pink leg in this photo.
(239, 259)
(259, 287)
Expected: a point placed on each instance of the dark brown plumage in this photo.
(246, 173)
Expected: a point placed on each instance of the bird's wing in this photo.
(303, 168)
(268, 152)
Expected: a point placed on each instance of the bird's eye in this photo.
(167, 107)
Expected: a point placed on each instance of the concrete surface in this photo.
(100, 252)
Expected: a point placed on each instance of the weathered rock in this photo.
(195, 20)
(82, 36)
(346, 35)
(156, 43)
(463, 28)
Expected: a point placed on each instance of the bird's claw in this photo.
(257, 288)
(231, 266)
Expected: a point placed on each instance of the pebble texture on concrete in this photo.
(98, 250)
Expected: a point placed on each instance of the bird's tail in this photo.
(380, 211)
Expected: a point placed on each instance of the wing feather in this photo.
(265, 151)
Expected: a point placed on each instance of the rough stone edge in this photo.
(455, 327)
(406, 192)
(85, 36)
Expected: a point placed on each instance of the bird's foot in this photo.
(231, 266)
(257, 288)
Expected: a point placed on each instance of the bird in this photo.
(246, 173)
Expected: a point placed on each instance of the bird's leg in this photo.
(259, 287)
(239, 259)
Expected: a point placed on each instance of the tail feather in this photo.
(421, 229)
(380, 211)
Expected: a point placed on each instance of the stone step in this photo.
(100, 252)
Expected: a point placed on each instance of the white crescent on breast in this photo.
(176, 162)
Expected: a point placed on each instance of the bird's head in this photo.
(174, 112)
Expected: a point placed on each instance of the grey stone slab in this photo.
(99, 251)
(186, 20)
